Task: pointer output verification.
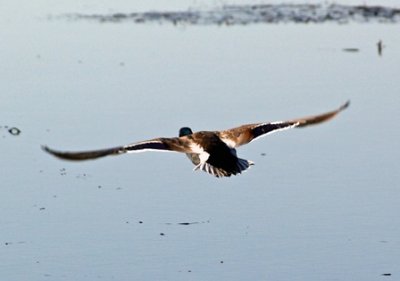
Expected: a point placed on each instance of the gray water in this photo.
(321, 204)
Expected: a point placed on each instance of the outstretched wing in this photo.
(244, 134)
(158, 144)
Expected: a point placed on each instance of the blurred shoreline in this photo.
(254, 14)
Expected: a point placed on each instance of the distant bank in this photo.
(254, 14)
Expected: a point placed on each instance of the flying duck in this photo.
(211, 151)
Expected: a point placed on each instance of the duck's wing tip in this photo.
(345, 105)
(44, 147)
(81, 155)
(317, 119)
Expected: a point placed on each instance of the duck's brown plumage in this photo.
(211, 151)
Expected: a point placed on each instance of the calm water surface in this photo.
(322, 204)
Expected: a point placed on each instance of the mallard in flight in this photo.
(211, 151)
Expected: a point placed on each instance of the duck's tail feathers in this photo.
(241, 165)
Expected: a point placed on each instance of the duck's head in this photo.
(185, 131)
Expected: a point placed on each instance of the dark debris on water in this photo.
(12, 130)
(188, 223)
(351, 50)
